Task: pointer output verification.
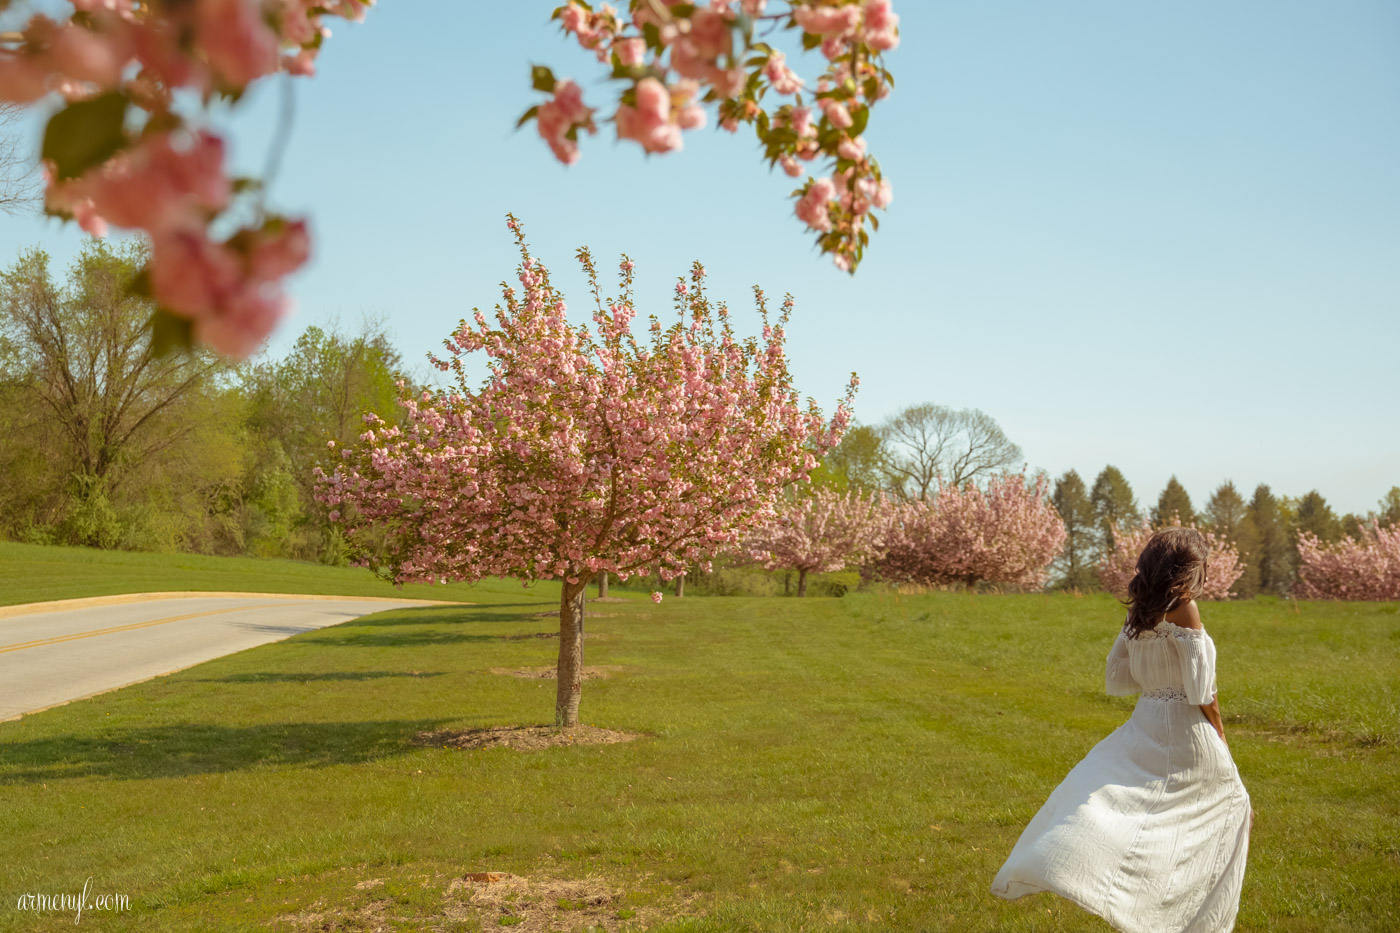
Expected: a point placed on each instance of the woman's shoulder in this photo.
(1185, 615)
(1184, 621)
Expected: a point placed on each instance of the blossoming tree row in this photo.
(1006, 533)
(132, 146)
(1367, 567)
(585, 451)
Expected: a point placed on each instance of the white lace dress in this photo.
(1151, 830)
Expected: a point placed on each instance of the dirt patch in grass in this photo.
(609, 599)
(489, 900)
(537, 905)
(524, 738)
(590, 672)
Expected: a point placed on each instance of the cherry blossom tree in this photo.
(672, 59)
(132, 144)
(1118, 564)
(1007, 533)
(584, 451)
(821, 532)
(1366, 567)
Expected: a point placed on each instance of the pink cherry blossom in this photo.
(837, 114)
(560, 119)
(1007, 533)
(650, 123)
(783, 79)
(853, 149)
(1118, 565)
(814, 206)
(881, 26)
(235, 39)
(630, 51)
(821, 532)
(1367, 567)
(827, 20)
(656, 597)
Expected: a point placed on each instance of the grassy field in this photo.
(33, 573)
(855, 764)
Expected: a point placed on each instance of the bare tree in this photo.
(927, 442)
(20, 190)
(82, 359)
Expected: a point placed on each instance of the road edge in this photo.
(88, 602)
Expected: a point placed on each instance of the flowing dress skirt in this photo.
(1150, 831)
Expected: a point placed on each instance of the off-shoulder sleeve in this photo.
(1198, 666)
(1118, 678)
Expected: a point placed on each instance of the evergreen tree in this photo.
(1174, 505)
(1353, 525)
(1227, 515)
(1113, 503)
(1071, 500)
(1390, 508)
(1272, 557)
(1316, 516)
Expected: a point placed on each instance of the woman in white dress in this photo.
(1151, 830)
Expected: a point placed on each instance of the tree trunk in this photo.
(569, 674)
(802, 582)
(603, 585)
(680, 586)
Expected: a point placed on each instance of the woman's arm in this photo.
(1212, 711)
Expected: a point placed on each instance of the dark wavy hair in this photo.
(1170, 569)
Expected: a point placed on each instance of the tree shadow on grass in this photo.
(331, 638)
(205, 748)
(267, 677)
(452, 615)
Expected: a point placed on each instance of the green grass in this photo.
(856, 764)
(34, 573)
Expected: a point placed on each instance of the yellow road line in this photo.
(127, 628)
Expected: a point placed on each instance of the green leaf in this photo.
(810, 41)
(542, 79)
(527, 116)
(171, 333)
(85, 133)
(858, 121)
(140, 284)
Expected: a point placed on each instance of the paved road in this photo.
(53, 653)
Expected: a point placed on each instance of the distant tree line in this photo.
(911, 453)
(1264, 529)
(106, 442)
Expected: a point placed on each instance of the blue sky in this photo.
(1162, 235)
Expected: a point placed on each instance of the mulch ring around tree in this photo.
(591, 672)
(523, 738)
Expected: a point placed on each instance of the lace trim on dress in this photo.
(1172, 694)
(1165, 629)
